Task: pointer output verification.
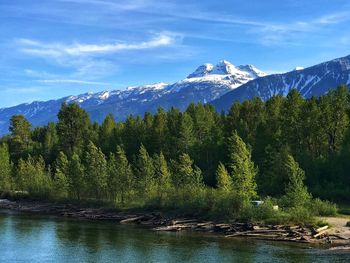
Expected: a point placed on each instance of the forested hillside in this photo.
(288, 148)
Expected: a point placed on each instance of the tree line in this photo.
(288, 148)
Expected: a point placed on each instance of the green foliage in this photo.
(297, 194)
(145, 173)
(73, 128)
(106, 134)
(61, 182)
(95, 172)
(241, 167)
(33, 177)
(121, 177)
(323, 208)
(76, 177)
(348, 224)
(185, 174)
(162, 177)
(196, 144)
(20, 142)
(224, 181)
(5, 169)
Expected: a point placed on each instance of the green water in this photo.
(28, 238)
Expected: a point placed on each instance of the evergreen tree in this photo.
(241, 167)
(76, 177)
(297, 194)
(185, 174)
(96, 172)
(20, 140)
(335, 119)
(272, 173)
(145, 172)
(106, 134)
(5, 168)
(223, 178)
(73, 128)
(61, 183)
(121, 175)
(186, 136)
(162, 175)
(50, 143)
(159, 131)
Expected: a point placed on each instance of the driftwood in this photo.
(132, 220)
(320, 234)
(318, 230)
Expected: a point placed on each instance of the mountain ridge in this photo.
(136, 100)
(220, 85)
(311, 81)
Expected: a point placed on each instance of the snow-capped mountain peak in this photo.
(202, 71)
(206, 83)
(252, 70)
(224, 67)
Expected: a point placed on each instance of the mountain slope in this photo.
(312, 81)
(207, 83)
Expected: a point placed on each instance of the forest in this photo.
(287, 151)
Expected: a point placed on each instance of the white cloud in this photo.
(37, 48)
(71, 81)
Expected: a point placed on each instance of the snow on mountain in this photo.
(313, 81)
(206, 83)
(219, 84)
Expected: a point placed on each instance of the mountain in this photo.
(208, 82)
(312, 81)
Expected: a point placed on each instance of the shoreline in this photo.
(156, 221)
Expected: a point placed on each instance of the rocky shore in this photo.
(158, 222)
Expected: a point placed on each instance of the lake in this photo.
(32, 238)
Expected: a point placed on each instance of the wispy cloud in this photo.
(38, 48)
(120, 4)
(71, 81)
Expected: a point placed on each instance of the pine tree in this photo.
(185, 174)
(76, 177)
(162, 175)
(241, 167)
(5, 168)
(223, 178)
(120, 175)
(159, 131)
(61, 183)
(106, 134)
(145, 172)
(186, 134)
(297, 194)
(50, 143)
(96, 172)
(20, 142)
(73, 128)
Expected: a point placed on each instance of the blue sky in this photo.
(54, 48)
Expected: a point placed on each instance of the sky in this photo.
(55, 48)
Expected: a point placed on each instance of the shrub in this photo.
(300, 215)
(348, 224)
(322, 208)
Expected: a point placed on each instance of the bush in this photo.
(322, 208)
(348, 224)
(300, 215)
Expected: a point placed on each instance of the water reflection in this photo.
(49, 239)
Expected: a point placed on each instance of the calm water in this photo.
(28, 238)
